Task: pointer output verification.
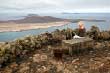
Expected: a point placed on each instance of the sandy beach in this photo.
(6, 27)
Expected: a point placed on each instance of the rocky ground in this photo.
(96, 60)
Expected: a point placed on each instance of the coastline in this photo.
(14, 27)
(17, 27)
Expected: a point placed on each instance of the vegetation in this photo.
(9, 51)
(96, 34)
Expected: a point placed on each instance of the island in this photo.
(31, 22)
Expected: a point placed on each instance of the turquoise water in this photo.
(9, 36)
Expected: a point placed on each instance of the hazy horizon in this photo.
(55, 6)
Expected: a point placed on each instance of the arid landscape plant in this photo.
(18, 48)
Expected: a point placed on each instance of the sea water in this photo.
(103, 25)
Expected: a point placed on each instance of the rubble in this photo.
(96, 60)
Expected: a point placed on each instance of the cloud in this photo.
(54, 5)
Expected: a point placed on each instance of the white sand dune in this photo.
(6, 27)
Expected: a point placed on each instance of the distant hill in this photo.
(69, 13)
(33, 18)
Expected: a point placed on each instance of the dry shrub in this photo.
(94, 31)
(104, 35)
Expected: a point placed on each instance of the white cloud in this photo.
(54, 5)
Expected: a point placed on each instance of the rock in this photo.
(75, 66)
(60, 67)
(91, 59)
(30, 57)
(49, 47)
(91, 51)
(75, 60)
(39, 70)
(97, 59)
(108, 58)
(109, 53)
(96, 65)
(66, 71)
(106, 50)
(43, 57)
(36, 55)
(13, 65)
(98, 46)
(23, 65)
(22, 70)
(44, 68)
(36, 58)
(102, 65)
(39, 58)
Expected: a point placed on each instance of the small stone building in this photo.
(69, 46)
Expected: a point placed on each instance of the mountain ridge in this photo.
(32, 18)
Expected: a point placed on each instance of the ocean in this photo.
(103, 25)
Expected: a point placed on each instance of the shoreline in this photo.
(17, 27)
(13, 27)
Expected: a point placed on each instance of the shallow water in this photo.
(9, 36)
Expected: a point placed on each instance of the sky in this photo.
(54, 6)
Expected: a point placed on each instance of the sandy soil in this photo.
(5, 27)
